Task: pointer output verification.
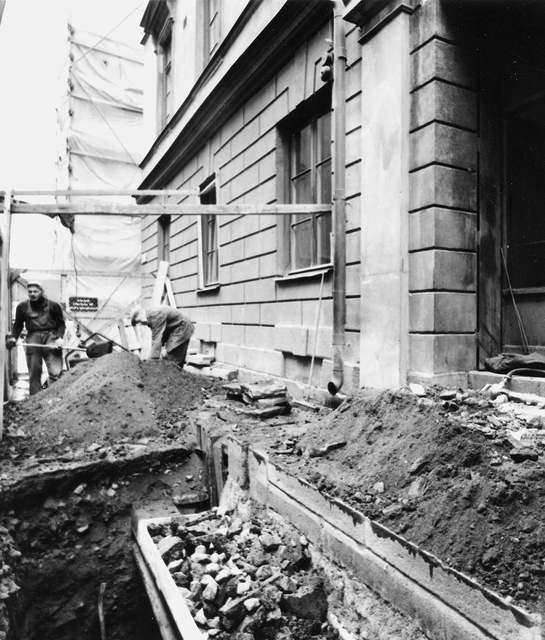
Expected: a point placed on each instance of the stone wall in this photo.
(443, 197)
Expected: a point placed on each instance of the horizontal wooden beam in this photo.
(96, 208)
(109, 192)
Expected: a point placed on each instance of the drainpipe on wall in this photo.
(339, 204)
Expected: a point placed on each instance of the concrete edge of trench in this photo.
(445, 603)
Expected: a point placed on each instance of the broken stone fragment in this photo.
(222, 575)
(213, 623)
(190, 498)
(419, 464)
(243, 587)
(520, 455)
(200, 618)
(417, 389)
(168, 544)
(175, 565)
(264, 572)
(212, 568)
(378, 487)
(252, 604)
(287, 584)
(308, 602)
(210, 588)
(181, 579)
(270, 541)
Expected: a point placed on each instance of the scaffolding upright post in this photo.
(4, 296)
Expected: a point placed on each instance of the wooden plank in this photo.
(181, 616)
(159, 286)
(170, 292)
(96, 208)
(159, 611)
(123, 332)
(109, 192)
(489, 336)
(5, 320)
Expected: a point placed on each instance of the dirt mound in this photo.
(442, 473)
(109, 400)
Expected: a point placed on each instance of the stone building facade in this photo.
(436, 101)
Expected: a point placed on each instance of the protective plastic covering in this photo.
(100, 146)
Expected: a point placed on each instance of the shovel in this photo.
(93, 350)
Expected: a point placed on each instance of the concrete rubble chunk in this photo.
(308, 602)
(166, 545)
(210, 589)
(252, 604)
(243, 587)
(270, 541)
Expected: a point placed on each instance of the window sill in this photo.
(306, 274)
(209, 288)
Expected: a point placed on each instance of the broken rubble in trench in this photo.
(245, 575)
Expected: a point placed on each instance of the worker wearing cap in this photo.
(169, 327)
(44, 322)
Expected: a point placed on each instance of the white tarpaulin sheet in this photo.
(100, 146)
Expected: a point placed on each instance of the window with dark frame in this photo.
(310, 183)
(209, 234)
(165, 88)
(525, 195)
(213, 25)
(163, 239)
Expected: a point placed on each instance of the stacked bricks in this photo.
(443, 197)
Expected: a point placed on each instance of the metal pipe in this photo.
(339, 204)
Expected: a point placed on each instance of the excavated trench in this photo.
(219, 502)
(73, 532)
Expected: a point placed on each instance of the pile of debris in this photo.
(245, 577)
(265, 399)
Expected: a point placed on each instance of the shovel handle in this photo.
(49, 346)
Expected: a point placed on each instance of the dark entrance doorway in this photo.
(511, 178)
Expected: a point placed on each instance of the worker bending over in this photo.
(44, 322)
(169, 327)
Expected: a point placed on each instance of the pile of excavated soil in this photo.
(446, 474)
(110, 401)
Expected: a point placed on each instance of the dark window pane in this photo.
(302, 189)
(302, 141)
(323, 178)
(301, 257)
(323, 232)
(324, 137)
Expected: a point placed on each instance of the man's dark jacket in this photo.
(42, 315)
